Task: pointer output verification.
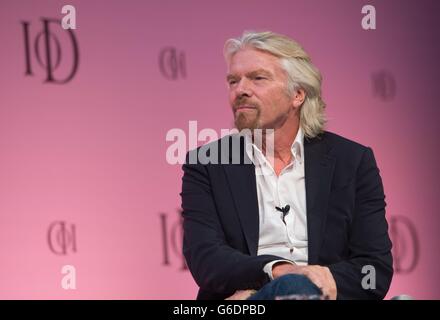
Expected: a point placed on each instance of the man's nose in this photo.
(243, 88)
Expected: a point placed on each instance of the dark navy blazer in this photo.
(346, 223)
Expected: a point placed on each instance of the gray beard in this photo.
(245, 121)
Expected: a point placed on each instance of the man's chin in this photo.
(243, 122)
(243, 126)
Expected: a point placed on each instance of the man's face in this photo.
(258, 90)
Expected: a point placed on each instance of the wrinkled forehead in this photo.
(250, 59)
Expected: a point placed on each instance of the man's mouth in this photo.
(245, 107)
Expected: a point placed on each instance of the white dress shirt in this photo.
(287, 240)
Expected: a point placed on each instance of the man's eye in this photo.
(232, 82)
(259, 78)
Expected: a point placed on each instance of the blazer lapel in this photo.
(243, 187)
(242, 184)
(319, 167)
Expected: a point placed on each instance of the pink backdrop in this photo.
(89, 154)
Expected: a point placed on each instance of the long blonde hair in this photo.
(300, 71)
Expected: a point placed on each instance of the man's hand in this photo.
(319, 275)
(281, 268)
(241, 294)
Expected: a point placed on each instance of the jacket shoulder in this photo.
(341, 143)
(219, 151)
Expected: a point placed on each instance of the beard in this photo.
(246, 119)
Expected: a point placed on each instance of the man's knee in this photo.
(290, 284)
(295, 284)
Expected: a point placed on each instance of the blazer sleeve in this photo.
(215, 266)
(369, 244)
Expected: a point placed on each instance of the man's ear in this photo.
(298, 97)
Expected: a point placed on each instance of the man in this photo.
(306, 218)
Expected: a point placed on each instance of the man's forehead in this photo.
(251, 60)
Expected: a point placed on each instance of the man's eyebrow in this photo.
(231, 76)
(259, 71)
(252, 73)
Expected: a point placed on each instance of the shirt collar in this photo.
(297, 147)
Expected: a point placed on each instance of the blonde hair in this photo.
(301, 73)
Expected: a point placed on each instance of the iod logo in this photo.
(48, 50)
